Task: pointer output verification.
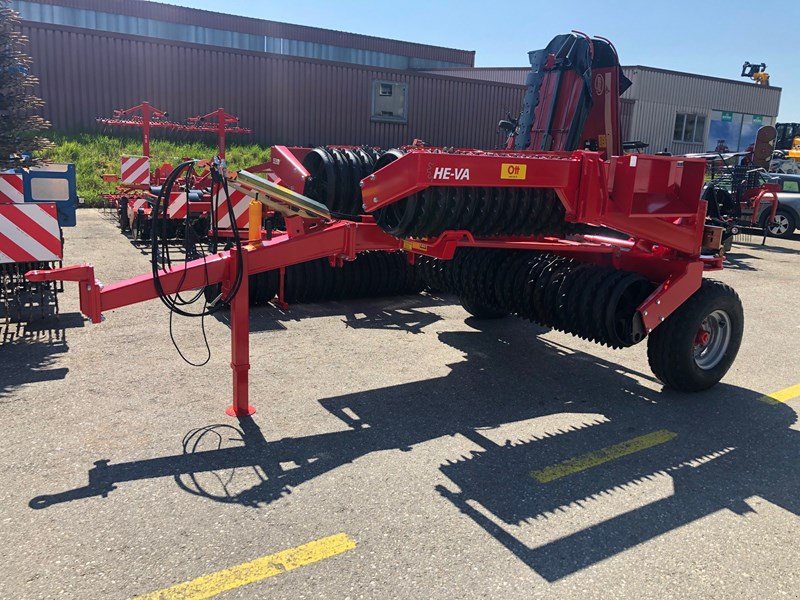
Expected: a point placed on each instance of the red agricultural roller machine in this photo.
(556, 228)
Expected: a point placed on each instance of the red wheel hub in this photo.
(702, 337)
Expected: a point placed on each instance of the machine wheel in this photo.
(727, 244)
(122, 209)
(482, 311)
(139, 228)
(210, 292)
(696, 345)
(784, 224)
(134, 228)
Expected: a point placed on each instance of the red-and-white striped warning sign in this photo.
(135, 170)
(178, 207)
(134, 204)
(239, 200)
(29, 232)
(11, 188)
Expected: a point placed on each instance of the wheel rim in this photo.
(780, 225)
(712, 340)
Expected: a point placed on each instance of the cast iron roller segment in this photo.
(435, 273)
(482, 211)
(589, 301)
(336, 176)
(371, 274)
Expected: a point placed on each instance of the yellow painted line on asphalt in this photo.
(784, 395)
(604, 455)
(212, 584)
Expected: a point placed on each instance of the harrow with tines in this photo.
(21, 300)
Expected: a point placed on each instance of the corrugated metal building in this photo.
(685, 113)
(681, 113)
(290, 84)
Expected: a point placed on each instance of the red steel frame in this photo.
(141, 116)
(767, 193)
(219, 122)
(656, 200)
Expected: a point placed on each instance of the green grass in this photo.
(94, 155)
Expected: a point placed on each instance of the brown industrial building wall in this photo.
(285, 100)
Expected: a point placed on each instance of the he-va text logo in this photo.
(450, 173)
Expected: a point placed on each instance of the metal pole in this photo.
(146, 112)
(221, 132)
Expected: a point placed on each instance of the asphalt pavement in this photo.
(400, 450)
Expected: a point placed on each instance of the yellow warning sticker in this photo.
(512, 171)
(411, 246)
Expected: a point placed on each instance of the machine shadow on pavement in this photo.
(29, 349)
(740, 261)
(726, 445)
(402, 313)
(771, 247)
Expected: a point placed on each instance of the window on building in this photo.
(733, 131)
(791, 186)
(689, 128)
(389, 101)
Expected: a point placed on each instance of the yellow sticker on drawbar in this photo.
(512, 171)
(411, 246)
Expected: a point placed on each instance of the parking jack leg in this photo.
(240, 350)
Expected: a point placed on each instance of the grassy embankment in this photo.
(94, 155)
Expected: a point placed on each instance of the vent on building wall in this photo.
(389, 101)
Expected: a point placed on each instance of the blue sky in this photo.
(707, 37)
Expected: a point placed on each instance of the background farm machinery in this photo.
(188, 208)
(524, 231)
(742, 194)
(35, 204)
(736, 202)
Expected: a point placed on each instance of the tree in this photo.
(20, 126)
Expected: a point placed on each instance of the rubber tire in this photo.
(789, 217)
(482, 311)
(670, 345)
(210, 292)
(728, 244)
(134, 228)
(124, 223)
